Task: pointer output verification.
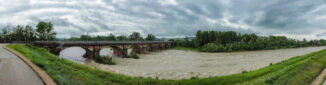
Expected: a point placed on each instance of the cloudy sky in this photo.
(170, 18)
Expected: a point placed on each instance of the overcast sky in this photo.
(170, 18)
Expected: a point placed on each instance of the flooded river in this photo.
(177, 64)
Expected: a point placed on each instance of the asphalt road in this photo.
(14, 71)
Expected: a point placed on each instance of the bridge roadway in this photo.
(120, 48)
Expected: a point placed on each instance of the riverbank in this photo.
(296, 70)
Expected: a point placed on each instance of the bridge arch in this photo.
(93, 48)
(74, 53)
(107, 51)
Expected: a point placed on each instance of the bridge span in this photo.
(120, 48)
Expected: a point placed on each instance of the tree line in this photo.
(227, 41)
(43, 32)
(135, 36)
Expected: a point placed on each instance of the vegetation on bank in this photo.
(218, 41)
(299, 70)
(184, 48)
(104, 60)
(134, 55)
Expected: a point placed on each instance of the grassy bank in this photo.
(299, 70)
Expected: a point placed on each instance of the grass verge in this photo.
(299, 70)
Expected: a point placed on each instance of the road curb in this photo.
(320, 78)
(47, 80)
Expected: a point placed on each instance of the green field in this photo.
(300, 70)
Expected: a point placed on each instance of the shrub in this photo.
(194, 77)
(244, 72)
(104, 60)
(134, 55)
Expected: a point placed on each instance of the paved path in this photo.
(13, 71)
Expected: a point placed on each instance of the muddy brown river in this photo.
(178, 64)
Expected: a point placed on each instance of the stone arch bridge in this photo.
(120, 48)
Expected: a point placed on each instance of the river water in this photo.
(177, 64)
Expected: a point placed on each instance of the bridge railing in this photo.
(100, 42)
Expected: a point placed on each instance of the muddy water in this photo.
(177, 64)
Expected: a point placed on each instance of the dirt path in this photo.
(13, 71)
(320, 78)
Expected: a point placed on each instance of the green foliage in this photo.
(218, 41)
(135, 36)
(26, 33)
(134, 55)
(82, 37)
(111, 37)
(18, 33)
(212, 47)
(187, 43)
(194, 77)
(104, 59)
(122, 38)
(45, 31)
(244, 72)
(299, 70)
(150, 37)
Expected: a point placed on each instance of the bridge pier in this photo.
(124, 52)
(140, 49)
(162, 46)
(144, 48)
(137, 49)
(56, 51)
(92, 51)
(121, 51)
(152, 47)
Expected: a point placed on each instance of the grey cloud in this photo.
(293, 17)
(321, 34)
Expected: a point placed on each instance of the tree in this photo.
(204, 37)
(74, 39)
(212, 36)
(122, 38)
(85, 37)
(1, 38)
(111, 37)
(45, 31)
(5, 35)
(19, 33)
(150, 37)
(198, 39)
(135, 36)
(29, 33)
